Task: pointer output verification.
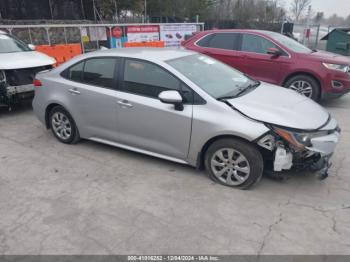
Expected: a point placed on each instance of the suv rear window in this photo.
(228, 41)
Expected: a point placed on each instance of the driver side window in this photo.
(256, 44)
(147, 79)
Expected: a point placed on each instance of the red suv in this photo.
(277, 59)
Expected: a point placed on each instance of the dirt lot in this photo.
(95, 199)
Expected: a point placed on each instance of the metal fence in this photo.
(313, 39)
(51, 34)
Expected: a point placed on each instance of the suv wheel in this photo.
(63, 126)
(234, 163)
(304, 85)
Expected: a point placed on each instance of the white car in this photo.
(18, 65)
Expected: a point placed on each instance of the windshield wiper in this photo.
(240, 92)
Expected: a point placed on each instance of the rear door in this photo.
(91, 87)
(223, 46)
(258, 64)
(145, 122)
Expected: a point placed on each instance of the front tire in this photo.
(305, 85)
(234, 163)
(63, 126)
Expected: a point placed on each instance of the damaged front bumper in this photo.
(16, 84)
(314, 155)
(10, 95)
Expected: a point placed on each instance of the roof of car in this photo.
(152, 54)
(262, 32)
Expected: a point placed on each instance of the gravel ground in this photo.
(95, 199)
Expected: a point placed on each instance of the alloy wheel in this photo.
(302, 87)
(61, 125)
(230, 166)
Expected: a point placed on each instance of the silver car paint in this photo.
(285, 107)
(155, 128)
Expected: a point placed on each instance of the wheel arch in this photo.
(47, 113)
(316, 78)
(201, 154)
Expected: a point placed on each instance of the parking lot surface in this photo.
(95, 199)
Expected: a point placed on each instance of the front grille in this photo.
(18, 77)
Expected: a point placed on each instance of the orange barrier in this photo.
(61, 53)
(144, 44)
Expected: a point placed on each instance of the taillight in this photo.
(37, 82)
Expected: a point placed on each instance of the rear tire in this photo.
(235, 163)
(305, 85)
(63, 126)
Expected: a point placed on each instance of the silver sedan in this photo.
(188, 108)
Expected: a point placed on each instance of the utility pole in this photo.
(50, 6)
(94, 7)
(116, 11)
(308, 27)
(82, 9)
(145, 10)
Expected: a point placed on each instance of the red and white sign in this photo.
(143, 33)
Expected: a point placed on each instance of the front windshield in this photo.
(217, 79)
(289, 43)
(9, 44)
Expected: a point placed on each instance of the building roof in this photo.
(345, 30)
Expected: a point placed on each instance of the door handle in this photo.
(124, 103)
(74, 91)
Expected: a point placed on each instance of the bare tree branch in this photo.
(298, 7)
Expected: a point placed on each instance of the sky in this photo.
(329, 7)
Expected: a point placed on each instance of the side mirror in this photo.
(172, 97)
(32, 47)
(273, 51)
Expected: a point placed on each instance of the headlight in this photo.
(342, 68)
(298, 140)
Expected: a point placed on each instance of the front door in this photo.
(145, 122)
(259, 64)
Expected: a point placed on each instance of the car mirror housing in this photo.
(171, 97)
(273, 51)
(32, 47)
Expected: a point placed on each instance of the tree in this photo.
(111, 8)
(298, 7)
(335, 20)
(347, 21)
(319, 17)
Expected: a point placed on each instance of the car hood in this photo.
(276, 105)
(27, 59)
(328, 57)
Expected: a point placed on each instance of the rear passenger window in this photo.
(228, 41)
(99, 72)
(75, 72)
